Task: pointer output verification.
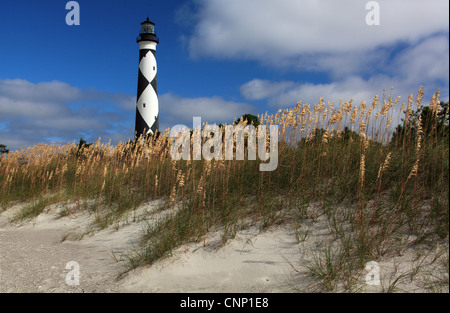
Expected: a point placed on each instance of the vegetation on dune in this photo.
(3, 149)
(374, 187)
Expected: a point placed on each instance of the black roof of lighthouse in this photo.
(147, 22)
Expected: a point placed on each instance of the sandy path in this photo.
(33, 258)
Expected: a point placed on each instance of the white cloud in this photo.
(351, 88)
(11, 107)
(311, 34)
(257, 89)
(429, 60)
(178, 110)
(424, 64)
(53, 91)
(44, 112)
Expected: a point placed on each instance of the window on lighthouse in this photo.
(143, 105)
(148, 29)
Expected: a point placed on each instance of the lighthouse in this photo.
(147, 110)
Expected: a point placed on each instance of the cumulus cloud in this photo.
(257, 89)
(317, 34)
(425, 64)
(54, 111)
(351, 88)
(54, 91)
(429, 60)
(180, 110)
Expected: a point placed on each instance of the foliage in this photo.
(251, 119)
(3, 149)
(433, 120)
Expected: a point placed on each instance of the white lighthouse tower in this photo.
(147, 110)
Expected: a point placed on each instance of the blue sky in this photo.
(216, 59)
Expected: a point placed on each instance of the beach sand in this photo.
(33, 257)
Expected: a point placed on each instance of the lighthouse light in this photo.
(147, 29)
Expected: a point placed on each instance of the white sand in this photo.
(33, 258)
(251, 262)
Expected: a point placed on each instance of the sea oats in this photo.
(326, 136)
(200, 185)
(362, 169)
(362, 109)
(336, 117)
(178, 176)
(375, 101)
(435, 104)
(369, 112)
(297, 108)
(174, 165)
(402, 107)
(409, 111)
(419, 97)
(419, 134)
(413, 170)
(354, 115)
(173, 194)
(207, 167)
(385, 108)
(347, 108)
(388, 124)
(50, 176)
(182, 181)
(362, 127)
(384, 166)
(320, 106)
(324, 114)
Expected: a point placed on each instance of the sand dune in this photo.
(33, 257)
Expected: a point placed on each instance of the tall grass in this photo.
(373, 190)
